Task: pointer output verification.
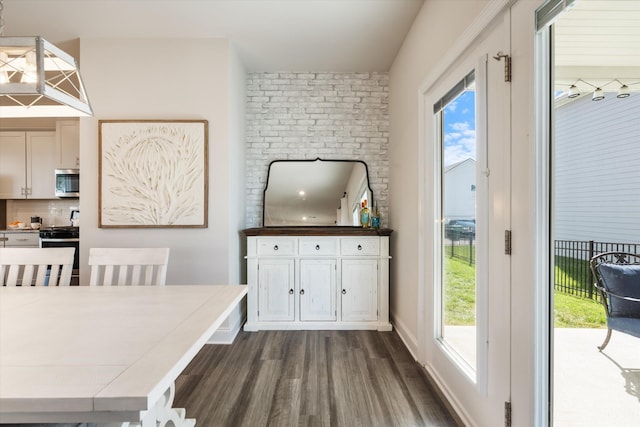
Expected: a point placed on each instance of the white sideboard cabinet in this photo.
(317, 278)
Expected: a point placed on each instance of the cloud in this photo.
(451, 107)
(459, 143)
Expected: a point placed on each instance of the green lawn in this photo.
(569, 311)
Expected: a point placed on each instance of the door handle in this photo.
(290, 291)
(301, 291)
(344, 292)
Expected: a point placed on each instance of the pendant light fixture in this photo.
(598, 91)
(38, 79)
(598, 94)
(623, 92)
(574, 92)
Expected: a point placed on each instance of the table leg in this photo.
(167, 416)
(161, 415)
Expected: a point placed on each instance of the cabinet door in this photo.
(275, 290)
(13, 165)
(318, 290)
(359, 290)
(67, 144)
(41, 149)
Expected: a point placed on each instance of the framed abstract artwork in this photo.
(153, 173)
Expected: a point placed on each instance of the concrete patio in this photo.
(591, 388)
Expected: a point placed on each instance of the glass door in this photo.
(467, 114)
(457, 137)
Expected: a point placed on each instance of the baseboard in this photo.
(409, 340)
(411, 343)
(228, 331)
(451, 404)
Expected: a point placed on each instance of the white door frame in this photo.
(427, 272)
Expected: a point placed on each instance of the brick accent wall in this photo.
(309, 115)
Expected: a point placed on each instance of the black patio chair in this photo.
(617, 279)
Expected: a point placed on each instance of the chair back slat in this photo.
(36, 266)
(148, 275)
(27, 273)
(122, 275)
(108, 274)
(136, 274)
(131, 266)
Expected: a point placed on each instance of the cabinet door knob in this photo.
(275, 247)
(344, 292)
(317, 247)
(301, 291)
(290, 291)
(359, 247)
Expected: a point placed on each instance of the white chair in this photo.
(131, 266)
(36, 266)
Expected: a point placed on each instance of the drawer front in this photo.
(318, 246)
(277, 247)
(360, 246)
(18, 239)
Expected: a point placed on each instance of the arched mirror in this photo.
(315, 192)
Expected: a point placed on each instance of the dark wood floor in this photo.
(309, 378)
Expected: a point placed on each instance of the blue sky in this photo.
(460, 129)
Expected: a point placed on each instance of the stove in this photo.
(62, 232)
(63, 237)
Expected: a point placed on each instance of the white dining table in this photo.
(103, 354)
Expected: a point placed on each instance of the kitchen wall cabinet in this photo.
(27, 162)
(67, 144)
(298, 280)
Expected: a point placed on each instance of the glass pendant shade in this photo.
(623, 92)
(37, 79)
(574, 92)
(598, 94)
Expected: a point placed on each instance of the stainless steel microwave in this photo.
(67, 182)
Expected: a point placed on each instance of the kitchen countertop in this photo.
(19, 231)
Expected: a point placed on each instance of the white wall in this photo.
(437, 26)
(138, 79)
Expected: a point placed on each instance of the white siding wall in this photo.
(460, 200)
(597, 170)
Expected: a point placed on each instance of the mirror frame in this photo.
(317, 159)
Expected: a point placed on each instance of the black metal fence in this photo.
(462, 246)
(572, 274)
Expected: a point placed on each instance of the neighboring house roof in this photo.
(454, 165)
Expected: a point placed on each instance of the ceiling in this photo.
(597, 41)
(270, 35)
